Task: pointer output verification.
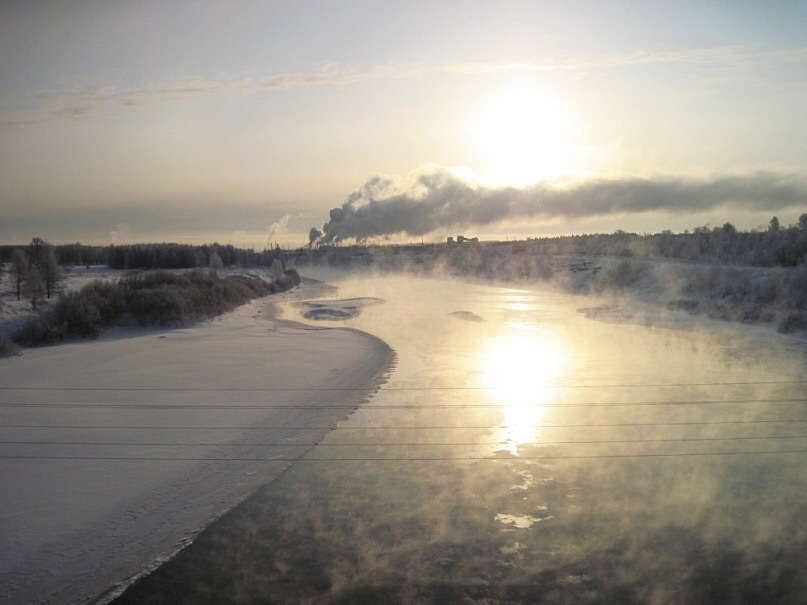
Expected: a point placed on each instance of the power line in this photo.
(402, 388)
(393, 428)
(399, 459)
(410, 444)
(353, 406)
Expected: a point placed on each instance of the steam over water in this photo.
(522, 451)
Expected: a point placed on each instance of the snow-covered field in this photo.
(115, 452)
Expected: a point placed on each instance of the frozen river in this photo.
(531, 446)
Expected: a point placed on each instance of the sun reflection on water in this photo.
(518, 366)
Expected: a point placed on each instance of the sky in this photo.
(253, 122)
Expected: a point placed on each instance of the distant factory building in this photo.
(461, 239)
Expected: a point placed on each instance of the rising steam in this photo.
(438, 199)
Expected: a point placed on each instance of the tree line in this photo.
(152, 256)
(36, 272)
(776, 246)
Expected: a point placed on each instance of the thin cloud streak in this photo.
(56, 105)
(439, 200)
(59, 105)
(726, 55)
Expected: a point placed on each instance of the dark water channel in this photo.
(523, 451)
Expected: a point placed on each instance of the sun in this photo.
(524, 135)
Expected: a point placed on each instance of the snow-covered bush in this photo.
(162, 305)
(166, 298)
(37, 332)
(75, 315)
(83, 313)
(159, 297)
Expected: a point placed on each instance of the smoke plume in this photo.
(278, 229)
(438, 199)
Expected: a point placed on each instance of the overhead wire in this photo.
(353, 406)
(398, 428)
(401, 388)
(375, 408)
(513, 458)
(407, 444)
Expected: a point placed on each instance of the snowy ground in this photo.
(115, 452)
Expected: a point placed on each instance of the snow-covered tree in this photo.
(215, 262)
(34, 286)
(43, 256)
(51, 271)
(277, 270)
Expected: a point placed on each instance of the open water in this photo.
(534, 446)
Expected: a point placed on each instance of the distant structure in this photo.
(461, 239)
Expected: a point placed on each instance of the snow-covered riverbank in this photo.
(116, 452)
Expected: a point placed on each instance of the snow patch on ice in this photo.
(521, 521)
(467, 316)
(336, 309)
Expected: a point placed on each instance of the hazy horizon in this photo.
(248, 124)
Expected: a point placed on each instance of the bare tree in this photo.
(34, 286)
(19, 269)
(51, 271)
(43, 255)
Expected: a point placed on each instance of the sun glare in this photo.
(524, 135)
(517, 367)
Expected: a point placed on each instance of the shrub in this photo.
(793, 322)
(6, 348)
(624, 274)
(108, 298)
(165, 298)
(37, 332)
(258, 286)
(798, 283)
(289, 279)
(151, 279)
(77, 315)
(161, 305)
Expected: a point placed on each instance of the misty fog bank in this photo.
(774, 296)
